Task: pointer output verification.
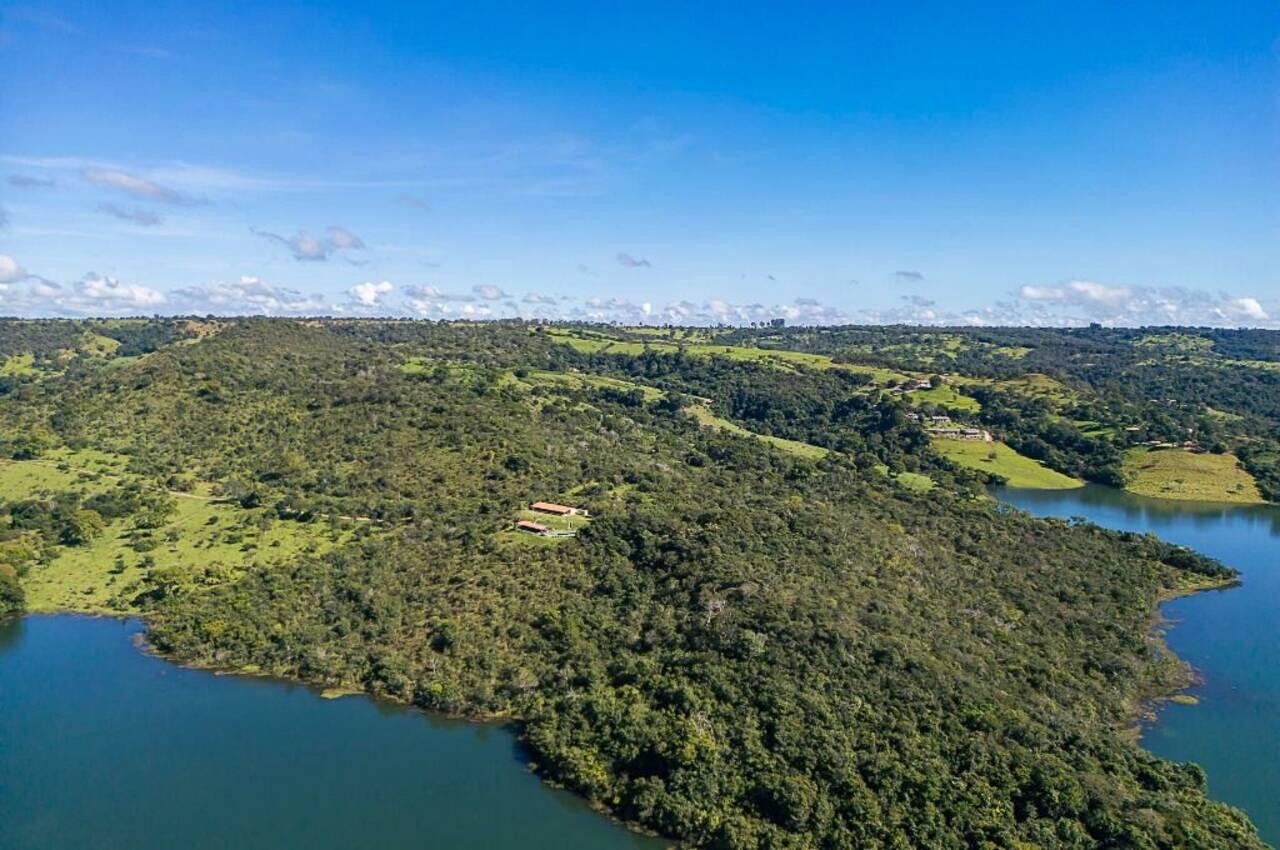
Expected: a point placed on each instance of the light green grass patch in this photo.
(207, 543)
(915, 481)
(997, 458)
(97, 345)
(707, 419)
(1185, 343)
(945, 396)
(19, 364)
(30, 479)
(592, 342)
(1177, 474)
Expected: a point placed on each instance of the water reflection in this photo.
(1231, 637)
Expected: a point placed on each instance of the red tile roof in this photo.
(551, 508)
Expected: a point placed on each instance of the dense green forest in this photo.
(1113, 388)
(746, 647)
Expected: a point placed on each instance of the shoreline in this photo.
(328, 692)
(1149, 705)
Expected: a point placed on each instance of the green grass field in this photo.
(202, 537)
(593, 342)
(707, 419)
(915, 481)
(1176, 474)
(18, 364)
(947, 397)
(999, 459)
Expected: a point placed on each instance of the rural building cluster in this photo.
(551, 509)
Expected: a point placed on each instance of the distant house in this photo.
(962, 433)
(532, 527)
(556, 510)
(940, 419)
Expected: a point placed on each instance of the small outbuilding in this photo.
(532, 527)
(556, 510)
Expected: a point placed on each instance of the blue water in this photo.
(1231, 637)
(103, 747)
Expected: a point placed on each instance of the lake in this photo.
(103, 746)
(1231, 637)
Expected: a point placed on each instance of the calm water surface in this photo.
(1231, 637)
(105, 747)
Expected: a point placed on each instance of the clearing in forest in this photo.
(998, 459)
(1178, 474)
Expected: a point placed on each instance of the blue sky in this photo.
(1016, 163)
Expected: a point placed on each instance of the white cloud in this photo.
(93, 295)
(341, 239)
(110, 293)
(308, 248)
(1246, 309)
(1098, 293)
(1078, 301)
(369, 294)
(10, 271)
(248, 296)
(1041, 293)
(138, 187)
(489, 292)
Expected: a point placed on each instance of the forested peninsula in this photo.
(786, 615)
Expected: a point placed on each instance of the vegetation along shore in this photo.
(787, 616)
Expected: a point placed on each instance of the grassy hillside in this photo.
(998, 459)
(1176, 474)
(745, 648)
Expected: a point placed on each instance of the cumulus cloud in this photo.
(369, 294)
(1041, 293)
(1079, 301)
(538, 298)
(1244, 309)
(341, 239)
(248, 296)
(10, 271)
(907, 276)
(431, 302)
(136, 215)
(136, 186)
(489, 292)
(93, 295)
(714, 311)
(308, 248)
(111, 294)
(625, 259)
(26, 181)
